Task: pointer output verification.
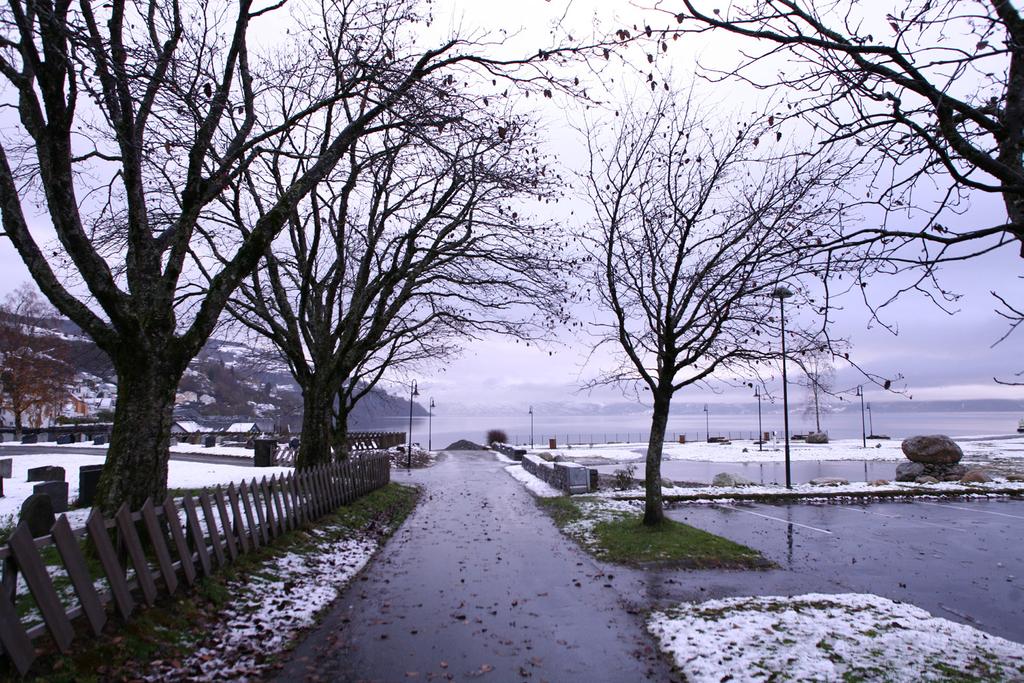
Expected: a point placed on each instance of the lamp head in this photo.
(415, 389)
(782, 292)
(860, 391)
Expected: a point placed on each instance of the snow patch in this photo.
(534, 485)
(819, 637)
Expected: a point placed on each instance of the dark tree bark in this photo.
(653, 512)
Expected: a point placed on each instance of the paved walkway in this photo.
(478, 583)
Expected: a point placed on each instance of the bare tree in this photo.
(695, 227)
(931, 93)
(34, 373)
(409, 248)
(819, 382)
(134, 118)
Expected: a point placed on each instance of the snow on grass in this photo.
(270, 606)
(746, 451)
(817, 637)
(534, 485)
(180, 474)
(999, 487)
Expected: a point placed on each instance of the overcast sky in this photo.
(940, 356)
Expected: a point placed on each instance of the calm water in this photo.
(634, 428)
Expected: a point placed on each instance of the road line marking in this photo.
(866, 512)
(777, 519)
(983, 512)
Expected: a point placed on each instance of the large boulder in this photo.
(935, 449)
(726, 479)
(817, 437)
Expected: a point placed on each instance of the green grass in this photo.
(621, 537)
(629, 541)
(173, 628)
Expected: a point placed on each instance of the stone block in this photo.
(88, 481)
(266, 453)
(37, 512)
(6, 466)
(46, 473)
(30, 438)
(57, 491)
(209, 441)
(64, 439)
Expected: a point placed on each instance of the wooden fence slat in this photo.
(254, 529)
(286, 497)
(143, 574)
(240, 528)
(188, 567)
(225, 522)
(25, 553)
(324, 506)
(17, 645)
(97, 527)
(275, 494)
(302, 494)
(268, 507)
(78, 572)
(198, 540)
(211, 526)
(254, 488)
(159, 542)
(332, 482)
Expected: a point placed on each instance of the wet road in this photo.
(477, 583)
(962, 560)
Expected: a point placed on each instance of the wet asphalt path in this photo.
(960, 559)
(477, 584)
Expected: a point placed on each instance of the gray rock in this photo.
(57, 491)
(559, 458)
(1013, 476)
(909, 471)
(935, 449)
(829, 481)
(30, 438)
(544, 455)
(46, 473)
(817, 437)
(99, 440)
(878, 482)
(925, 479)
(975, 477)
(726, 479)
(37, 513)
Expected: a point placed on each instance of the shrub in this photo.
(624, 477)
(496, 436)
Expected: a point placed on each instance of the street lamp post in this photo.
(707, 422)
(760, 431)
(531, 426)
(871, 422)
(430, 425)
(863, 427)
(782, 293)
(413, 393)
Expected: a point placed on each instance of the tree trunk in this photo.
(315, 440)
(817, 410)
(653, 513)
(17, 425)
(340, 435)
(136, 465)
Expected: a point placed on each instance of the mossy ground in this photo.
(172, 629)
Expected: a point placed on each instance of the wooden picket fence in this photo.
(55, 586)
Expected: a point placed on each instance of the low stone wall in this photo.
(558, 474)
(509, 451)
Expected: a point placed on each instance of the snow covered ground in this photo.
(818, 637)
(746, 451)
(235, 451)
(271, 606)
(180, 475)
(855, 488)
(534, 485)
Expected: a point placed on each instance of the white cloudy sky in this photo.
(940, 356)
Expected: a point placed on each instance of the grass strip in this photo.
(617, 534)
